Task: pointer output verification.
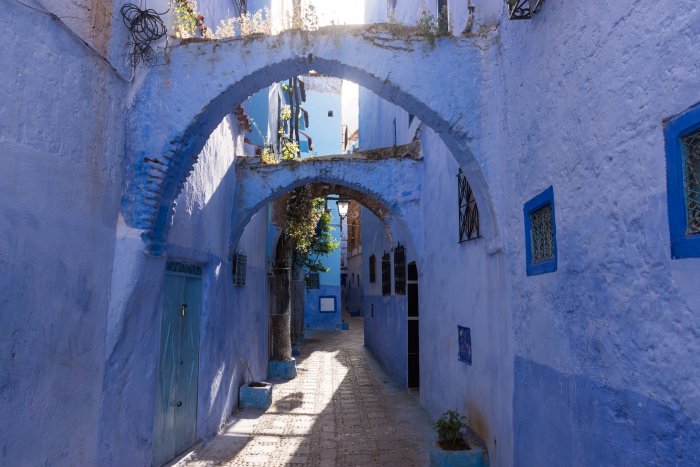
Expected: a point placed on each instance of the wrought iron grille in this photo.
(468, 210)
(386, 274)
(691, 163)
(313, 281)
(542, 234)
(240, 267)
(400, 270)
(523, 9)
(372, 269)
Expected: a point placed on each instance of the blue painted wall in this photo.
(61, 153)
(594, 424)
(324, 130)
(313, 318)
(385, 317)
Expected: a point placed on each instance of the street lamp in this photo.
(343, 205)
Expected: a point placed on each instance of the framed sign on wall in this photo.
(327, 304)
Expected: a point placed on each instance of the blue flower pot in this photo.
(473, 457)
(255, 395)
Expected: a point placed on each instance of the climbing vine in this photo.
(308, 224)
(188, 21)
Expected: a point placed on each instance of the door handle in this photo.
(183, 309)
(179, 403)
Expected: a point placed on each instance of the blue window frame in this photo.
(683, 179)
(540, 234)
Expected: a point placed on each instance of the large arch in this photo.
(390, 187)
(175, 107)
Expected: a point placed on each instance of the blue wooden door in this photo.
(176, 399)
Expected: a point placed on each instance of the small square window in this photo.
(313, 281)
(683, 179)
(540, 234)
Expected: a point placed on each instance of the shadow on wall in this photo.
(575, 413)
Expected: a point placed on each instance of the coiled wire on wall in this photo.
(145, 27)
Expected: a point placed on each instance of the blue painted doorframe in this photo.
(178, 369)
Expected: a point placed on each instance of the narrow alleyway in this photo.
(341, 410)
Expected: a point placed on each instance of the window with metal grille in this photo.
(540, 233)
(691, 163)
(313, 281)
(372, 269)
(468, 210)
(542, 236)
(386, 274)
(400, 270)
(240, 266)
(683, 181)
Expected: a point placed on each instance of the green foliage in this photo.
(187, 19)
(286, 112)
(431, 27)
(309, 226)
(268, 156)
(290, 150)
(449, 427)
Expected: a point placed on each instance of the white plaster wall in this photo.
(61, 149)
(487, 12)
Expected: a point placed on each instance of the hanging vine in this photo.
(308, 224)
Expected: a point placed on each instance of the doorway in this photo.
(413, 332)
(178, 368)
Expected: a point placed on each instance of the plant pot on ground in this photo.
(451, 448)
(255, 395)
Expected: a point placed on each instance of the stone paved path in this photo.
(341, 410)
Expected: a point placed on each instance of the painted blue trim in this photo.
(682, 245)
(335, 303)
(544, 198)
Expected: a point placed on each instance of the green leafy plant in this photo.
(308, 224)
(187, 19)
(290, 150)
(268, 156)
(431, 27)
(286, 112)
(449, 428)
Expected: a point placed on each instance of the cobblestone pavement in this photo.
(341, 410)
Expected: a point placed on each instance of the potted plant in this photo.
(451, 449)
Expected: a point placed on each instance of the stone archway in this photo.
(178, 105)
(390, 187)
